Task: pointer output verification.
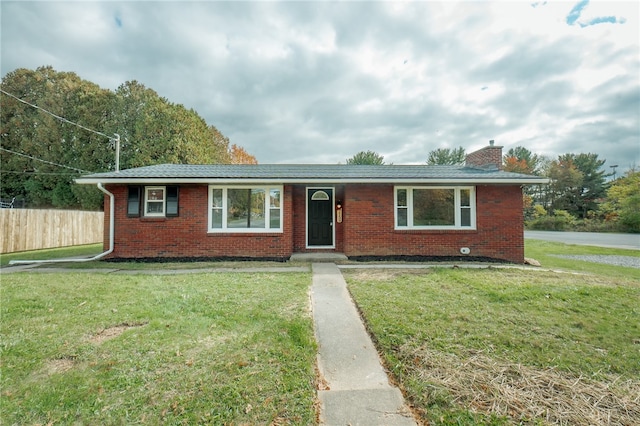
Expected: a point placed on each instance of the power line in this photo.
(44, 161)
(38, 173)
(64, 120)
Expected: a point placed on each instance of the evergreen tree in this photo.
(578, 183)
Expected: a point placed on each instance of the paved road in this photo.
(624, 241)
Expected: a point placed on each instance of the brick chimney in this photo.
(487, 158)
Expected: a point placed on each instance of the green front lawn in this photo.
(223, 348)
(489, 346)
(87, 250)
(507, 346)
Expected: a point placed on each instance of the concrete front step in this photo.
(317, 257)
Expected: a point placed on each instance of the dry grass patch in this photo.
(112, 332)
(385, 275)
(521, 392)
(61, 365)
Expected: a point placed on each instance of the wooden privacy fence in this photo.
(28, 229)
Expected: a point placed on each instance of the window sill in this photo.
(436, 231)
(244, 233)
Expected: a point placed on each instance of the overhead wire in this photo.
(64, 120)
(28, 172)
(44, 161)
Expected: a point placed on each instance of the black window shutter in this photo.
(172, 201)
(133, 201)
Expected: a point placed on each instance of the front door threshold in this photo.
(317, 257)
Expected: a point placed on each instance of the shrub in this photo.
(596, 225)
(539, 211)
(630, 215)
(560, 221)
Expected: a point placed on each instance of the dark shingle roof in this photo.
(306, 173)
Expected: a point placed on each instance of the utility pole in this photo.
(117, 142)
(614, 167)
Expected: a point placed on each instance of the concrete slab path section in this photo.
(358, 389)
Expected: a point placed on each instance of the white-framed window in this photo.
(245, 209)
(154, 201)
(435, 207)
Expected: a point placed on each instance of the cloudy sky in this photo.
(317, 82)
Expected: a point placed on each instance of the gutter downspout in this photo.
(112, 211)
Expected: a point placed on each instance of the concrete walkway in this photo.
(358, 390)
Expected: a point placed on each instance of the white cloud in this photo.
(318, 82)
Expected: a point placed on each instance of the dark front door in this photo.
(320, 217)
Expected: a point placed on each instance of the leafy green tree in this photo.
(155, 131)
(152, 131)
(521, 160)
(366, 158)
(623, 201)
(566, 181)
(447, 156)
(240, 156)
(143, 120)
(45, 141)
(220, 149)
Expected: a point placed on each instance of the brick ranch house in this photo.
(268, 211)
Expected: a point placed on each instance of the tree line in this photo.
(580, 194)
(61, 126)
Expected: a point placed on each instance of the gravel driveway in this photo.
(601, 239)
(628, 261)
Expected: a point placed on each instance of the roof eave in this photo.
(280, 181)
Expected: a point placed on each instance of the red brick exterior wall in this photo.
(186, 236)
(299, 218)
(367, 228)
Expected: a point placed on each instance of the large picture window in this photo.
(245, 209)
(435, 208)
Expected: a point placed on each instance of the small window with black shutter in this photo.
(159, 201)
(133, 201)
(172, 201)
